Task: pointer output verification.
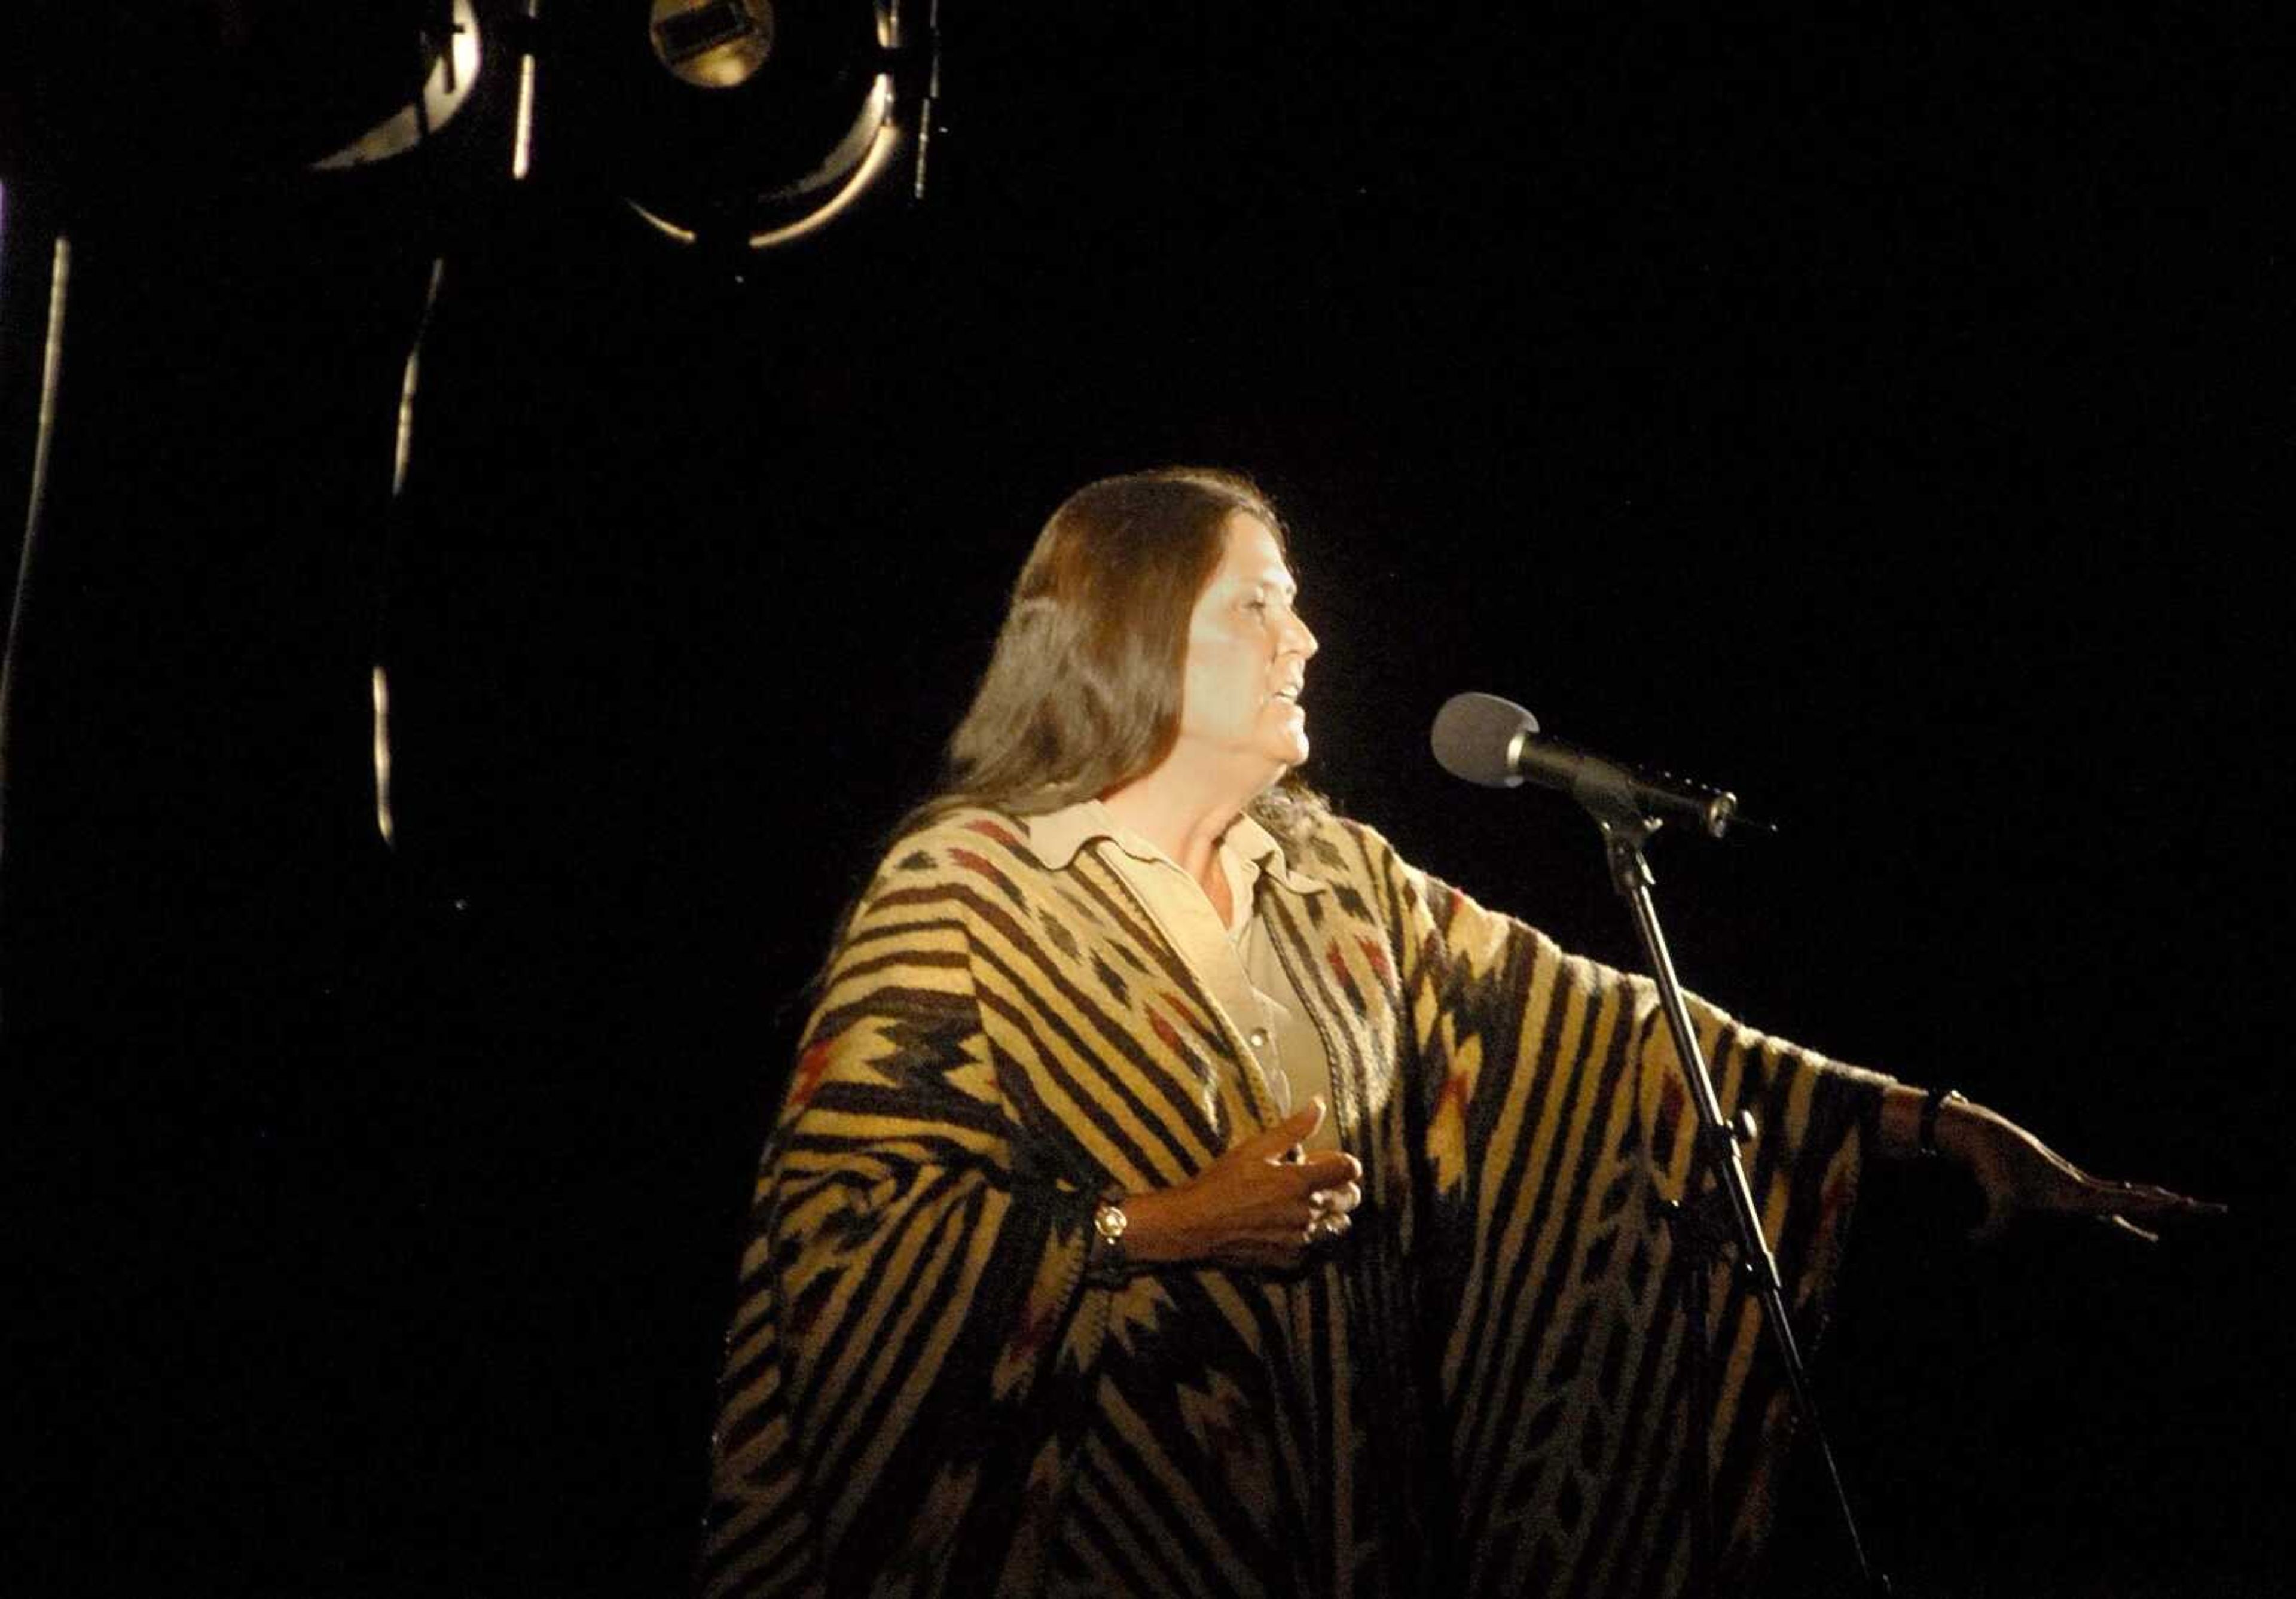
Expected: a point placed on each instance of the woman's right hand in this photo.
(1255, 1206)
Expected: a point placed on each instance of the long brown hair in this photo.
(1083, 687)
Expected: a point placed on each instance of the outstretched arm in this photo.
(2019, 1175)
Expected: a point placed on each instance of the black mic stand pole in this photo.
(1701, 1236)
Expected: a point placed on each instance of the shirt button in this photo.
(1260, 1037)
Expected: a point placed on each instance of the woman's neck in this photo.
(1185, 819)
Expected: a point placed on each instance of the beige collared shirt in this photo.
(1235, 960)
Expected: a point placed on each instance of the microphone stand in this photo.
(1715, 1218)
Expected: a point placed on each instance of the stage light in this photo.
(830, 189)
(713, 44)
(729, 124)
(112, 104)
(453, 72)
(751, 123)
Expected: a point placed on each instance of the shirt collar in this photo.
(1056, 837)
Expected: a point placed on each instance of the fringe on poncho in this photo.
(1481, 1392)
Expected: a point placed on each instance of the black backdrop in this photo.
(1878, 413)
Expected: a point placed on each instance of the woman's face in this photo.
(1248, 649)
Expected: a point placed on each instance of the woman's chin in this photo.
(1273, 770)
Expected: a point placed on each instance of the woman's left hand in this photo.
(2019, 1175)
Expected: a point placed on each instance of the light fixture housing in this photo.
(455, 63)
(746, 124)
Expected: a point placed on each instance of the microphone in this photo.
(1495, 743)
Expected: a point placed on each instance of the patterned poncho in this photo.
(1480, 1392)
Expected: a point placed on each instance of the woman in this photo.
(1177, 1192)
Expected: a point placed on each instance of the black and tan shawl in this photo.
(1480, 1393)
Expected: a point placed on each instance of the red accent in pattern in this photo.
(810, 1065)
(990, 830)
(1338, 961)
(1164, 1031)
(1454, 1094)
(1034, 1327)
(1227, 1441)
(1832, 1198)
(1667, 1121)
(1377, 957)
(974, 863)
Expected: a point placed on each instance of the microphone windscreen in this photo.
(1473, 736)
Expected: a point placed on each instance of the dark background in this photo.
(1881, 413)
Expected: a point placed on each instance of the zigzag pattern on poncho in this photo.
(1481, 1392)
